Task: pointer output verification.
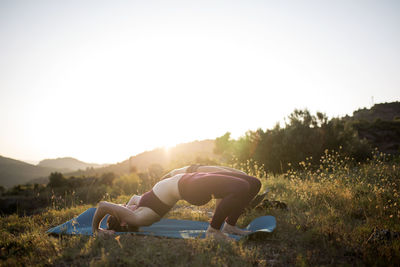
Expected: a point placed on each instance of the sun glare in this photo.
(114, 82)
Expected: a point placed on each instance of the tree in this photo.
(224, 146)
(305, 135)
(107, 178)
(56, 179)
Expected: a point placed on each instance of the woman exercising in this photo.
(234, 189)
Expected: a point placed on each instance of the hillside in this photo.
(174, 157)
(383, 111)
(13, 172)
(67, 164)
(379, 125)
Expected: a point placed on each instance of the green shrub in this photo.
(127, 184)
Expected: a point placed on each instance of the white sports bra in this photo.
(167, 190)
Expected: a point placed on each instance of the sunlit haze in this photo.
(104, 80)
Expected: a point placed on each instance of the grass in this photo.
(332, 212)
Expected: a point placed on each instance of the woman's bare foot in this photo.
(231, 229)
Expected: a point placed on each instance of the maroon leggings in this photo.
(236, 191)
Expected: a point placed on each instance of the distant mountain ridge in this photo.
(68, 164)
(172, 158)
(14, 172)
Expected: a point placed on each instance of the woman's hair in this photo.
(114, 224)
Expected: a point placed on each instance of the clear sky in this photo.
(104, 80)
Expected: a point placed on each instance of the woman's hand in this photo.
(132, 207)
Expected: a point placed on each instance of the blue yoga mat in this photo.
(82, 225)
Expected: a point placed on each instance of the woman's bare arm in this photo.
(175, 172)
(203, 169)
(104, 208)
(233, 170)
(126, 215)
(218, 169)
(101, 211)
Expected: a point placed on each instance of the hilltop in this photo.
(68, 164)
(13, 172)
(382, 111)
(379, 125)
(178, 156)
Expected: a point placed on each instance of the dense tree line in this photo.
(304, 136)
